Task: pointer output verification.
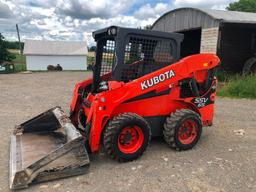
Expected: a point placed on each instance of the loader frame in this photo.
(117, 87)
(122, 97)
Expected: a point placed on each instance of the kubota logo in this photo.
(157, 79)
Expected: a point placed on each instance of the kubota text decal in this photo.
(157, 79)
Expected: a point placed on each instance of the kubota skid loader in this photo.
(140, 89)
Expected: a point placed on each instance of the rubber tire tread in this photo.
(248, 66)
(113, 129)
(172, 124)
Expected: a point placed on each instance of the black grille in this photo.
(144, 55)
(107, 57)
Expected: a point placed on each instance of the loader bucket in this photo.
(44, 148)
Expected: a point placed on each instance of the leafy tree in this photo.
(5, 55)
(92, 48)
(14, 45)
(148, 27)
(243, 5)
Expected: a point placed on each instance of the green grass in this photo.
(19, 61)
(239, 87)
(90, 60)
(19, 67)
(19, 58)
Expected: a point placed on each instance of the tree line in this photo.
(5, 55)
(14, 45)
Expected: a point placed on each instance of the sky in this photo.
(74, 20)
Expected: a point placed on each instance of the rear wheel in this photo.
(182, 129)
(250, 66)
(126, 137)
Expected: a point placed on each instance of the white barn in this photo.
(69, 55)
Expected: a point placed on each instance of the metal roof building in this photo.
(230, 34)
(69, 55)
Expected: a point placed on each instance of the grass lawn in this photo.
(19, 58)
(19, 61)
(239, 87)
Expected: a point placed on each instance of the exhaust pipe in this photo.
(44, 148)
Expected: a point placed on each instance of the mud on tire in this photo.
(173, 129)
(126, 137)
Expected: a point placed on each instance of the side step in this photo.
(44, 148)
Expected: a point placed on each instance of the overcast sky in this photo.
(76, 19)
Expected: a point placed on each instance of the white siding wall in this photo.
(38, 62)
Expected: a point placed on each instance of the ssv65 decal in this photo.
(157, 79)
(201, 102)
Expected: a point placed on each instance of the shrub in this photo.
(239, 87)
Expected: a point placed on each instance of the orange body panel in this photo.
(118, 99)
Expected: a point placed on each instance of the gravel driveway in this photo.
(223, 160)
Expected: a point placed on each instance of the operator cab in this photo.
(125, 54)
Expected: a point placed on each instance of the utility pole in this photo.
(18, 33)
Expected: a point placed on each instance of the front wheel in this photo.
(126, 137)
(182, 129)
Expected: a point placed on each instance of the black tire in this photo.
(113, 129)
(173, 125)
(249, 66)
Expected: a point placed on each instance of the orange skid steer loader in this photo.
(140, 89)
